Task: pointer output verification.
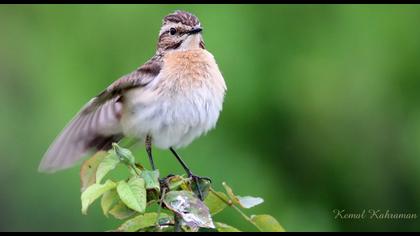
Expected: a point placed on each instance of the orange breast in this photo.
(186, 67)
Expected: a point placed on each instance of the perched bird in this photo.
(169, 101)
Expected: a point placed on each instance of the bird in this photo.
(169, 101)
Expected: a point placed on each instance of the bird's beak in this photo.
(195, 31)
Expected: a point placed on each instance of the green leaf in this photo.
(221, 227)
(124, 155)
(133, 193)
(134, 170)
(248, 201)
(107, 164)
(193, 212)
(266, 223)
(205, 230)
(93, 192)
(109, 199)
(164, 229)
(177, 182)
(121, 211)
(141, 222)
(214, 203)
(88, 169)
(151, 179)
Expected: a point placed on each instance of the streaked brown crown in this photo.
(182, 17)
(176, 28)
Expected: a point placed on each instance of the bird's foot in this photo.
(164, 181)
(200, 185)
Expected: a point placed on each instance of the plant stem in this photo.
(243, 214)
(230, 203)
(160, 205)
(178, 222)
(135, 169)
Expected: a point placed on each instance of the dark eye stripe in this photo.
(181, 32)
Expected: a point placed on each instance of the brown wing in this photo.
(97, 124)
(81, 135)
(140, 77)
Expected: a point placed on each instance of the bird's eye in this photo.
(172, 31)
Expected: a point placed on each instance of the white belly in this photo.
(172, 111)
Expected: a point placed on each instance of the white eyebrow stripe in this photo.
(169, 25)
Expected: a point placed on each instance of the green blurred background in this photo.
(322, 110)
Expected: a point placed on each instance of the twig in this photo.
(160, 205)
(133, 167)
(230, 203)
(178, 223)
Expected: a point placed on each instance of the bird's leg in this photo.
(148, 143)
(194, 178)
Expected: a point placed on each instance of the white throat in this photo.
(191, 42)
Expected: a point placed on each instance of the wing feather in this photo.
(97, 124)
(72, 143)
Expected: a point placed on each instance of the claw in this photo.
(196, 179)
(163, 181)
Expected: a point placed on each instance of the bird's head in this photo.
(180, 31)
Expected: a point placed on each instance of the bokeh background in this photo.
(322, 110)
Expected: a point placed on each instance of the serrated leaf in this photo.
(214, 203)
(151, 179)
(221, 227)
(88, 169)
(266, 223)
(109, 200)
(124, 155)
(93, 192)
(248, 201)
(108, 163)
(121, 211)
(230, 193)
(133, 193)
(141, 222)
(192, 211)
